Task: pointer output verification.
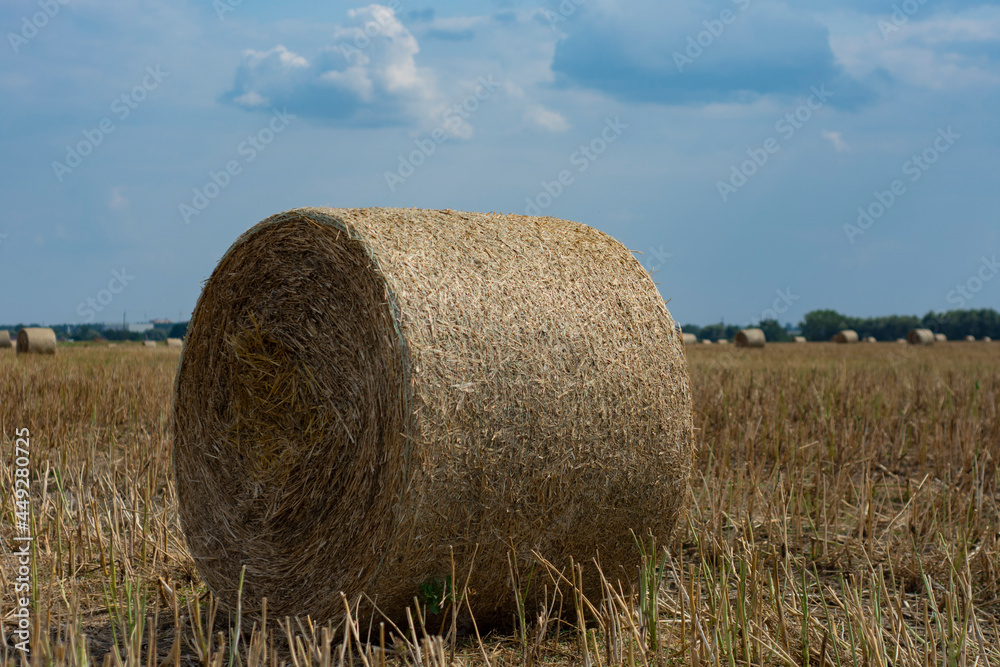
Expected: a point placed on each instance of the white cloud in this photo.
(118, 201)
(837, 140)
(541, 118)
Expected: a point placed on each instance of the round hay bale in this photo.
(706, 341)
(36, 340)
(690, 339)
(901, 340)
(970, 339)
(750, 338)
(363, 390)
(940, 338)
(799, 339)
(871, 339)
(987, 339)
(845, 336)
(722, 341)
(149, 343)
(175, 342)
(920, 337)
(5, 339)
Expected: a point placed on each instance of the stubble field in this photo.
(843, 511)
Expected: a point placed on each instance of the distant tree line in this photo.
(91, 332)
(822, 324)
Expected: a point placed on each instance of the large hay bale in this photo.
(36, 340)
(362, 390)
(690, 339)
(940, 338)
(750, 338)
(5, 339)
(845, 336)
(799, 339)
(175, 342)
(920, 337)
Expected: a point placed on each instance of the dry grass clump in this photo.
(36, 340)
(750, 338)
(366, 393)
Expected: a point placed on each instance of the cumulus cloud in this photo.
(367, 77)
(697, 54)
(836, 140)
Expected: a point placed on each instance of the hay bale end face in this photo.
(36, 340)
(920, 337)
(799, 339)
(690, 339)
(5, 339)
(750, 338)
(362, 390)
(846, 336)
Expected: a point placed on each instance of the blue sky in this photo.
(761, 155)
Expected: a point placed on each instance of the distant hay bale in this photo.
(799, 339)
(706, 341)
(362, 391)
(901, 340)
(36, 340)
(175, 342)
(940, 338)
(987, 339)
(690, 339)
(5, 339)
(722, 341)
(970, 339)
(845, 336)
(871, 339)
(149, 343)
(750, 338)
(920, 337)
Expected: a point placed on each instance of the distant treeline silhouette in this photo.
(822, 324)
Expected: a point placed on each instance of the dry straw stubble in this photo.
(36, 340)
(394, 384)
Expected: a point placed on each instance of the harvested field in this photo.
(843, 510)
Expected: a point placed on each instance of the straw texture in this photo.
(36, 340)
(361, 389)
(5, 339)
(846, 336)
(750, 338)
(921, 337)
